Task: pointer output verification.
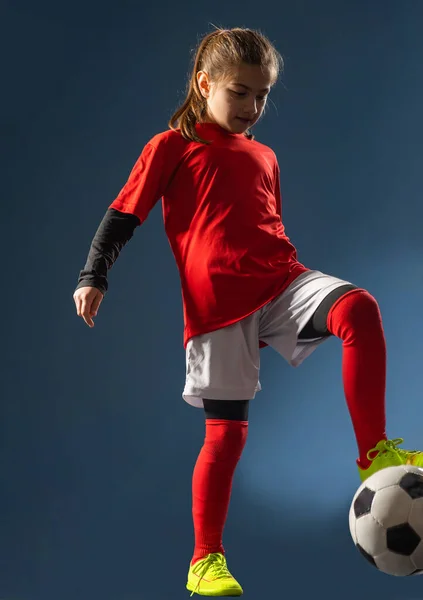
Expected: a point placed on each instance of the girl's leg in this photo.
(225, 438)
(353, 316)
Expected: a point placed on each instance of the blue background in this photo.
(97, 446)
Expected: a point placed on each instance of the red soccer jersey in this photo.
(222, 215)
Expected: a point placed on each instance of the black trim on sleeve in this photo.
(114, 231)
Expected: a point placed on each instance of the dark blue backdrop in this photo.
(97, 446)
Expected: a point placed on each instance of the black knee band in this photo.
(317, 326)
(230, 410)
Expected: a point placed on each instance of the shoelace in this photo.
(216, 564)
(389, 446)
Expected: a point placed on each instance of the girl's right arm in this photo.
(147, 183)
(114, 231)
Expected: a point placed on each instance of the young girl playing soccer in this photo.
(242, 285)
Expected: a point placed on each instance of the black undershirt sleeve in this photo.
(114, 231)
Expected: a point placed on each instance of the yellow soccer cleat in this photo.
(387, 454)
(210, 577)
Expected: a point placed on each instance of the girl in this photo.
(242, 285)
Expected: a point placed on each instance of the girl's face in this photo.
(237, 102)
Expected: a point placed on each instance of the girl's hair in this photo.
(218, 53)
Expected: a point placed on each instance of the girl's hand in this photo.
(87, 302)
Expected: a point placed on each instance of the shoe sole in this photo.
(227, 592)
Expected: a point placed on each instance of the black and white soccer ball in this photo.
(386, 520)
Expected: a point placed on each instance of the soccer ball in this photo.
(386, 520)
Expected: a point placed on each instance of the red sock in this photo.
(355, 318)
(212, 483)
